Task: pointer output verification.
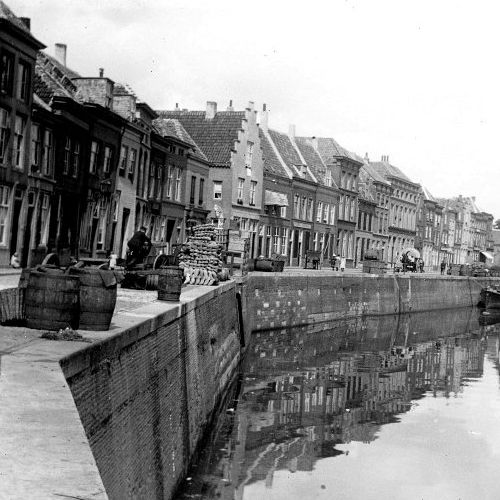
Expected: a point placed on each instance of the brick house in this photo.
(402, 210)
(231, 143)
(21, 195)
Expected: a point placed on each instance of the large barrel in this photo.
(170, 283)
(52, 301)
(97, 297)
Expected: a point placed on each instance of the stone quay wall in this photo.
(281, 300)
(146, 395)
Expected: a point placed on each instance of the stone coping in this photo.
(45, 452)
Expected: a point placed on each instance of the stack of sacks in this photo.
(201, 257)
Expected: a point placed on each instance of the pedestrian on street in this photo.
(139, 247)
(14, 261)
(443, 266)
(421, 265)
(342, 264)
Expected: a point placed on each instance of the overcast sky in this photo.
(416, 81)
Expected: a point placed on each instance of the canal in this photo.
(393, 407)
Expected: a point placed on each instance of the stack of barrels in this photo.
(79, 297)
(201, 258)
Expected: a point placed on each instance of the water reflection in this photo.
(312, 416)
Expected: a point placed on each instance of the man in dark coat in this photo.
(139, 246)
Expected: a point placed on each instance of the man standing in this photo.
(443, 266)
(139, 246)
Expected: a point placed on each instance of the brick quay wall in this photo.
(145, 396)
(281, 299)
(129, 408)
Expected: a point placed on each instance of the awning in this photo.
(274, 198)
(487, 255)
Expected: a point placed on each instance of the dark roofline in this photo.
(20, 30)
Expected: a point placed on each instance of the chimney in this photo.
(291, 132)
(385, 158)
(61, 53)
(101, 72)
(250, 105)
(230, 107)
(264, 117)
(26, 21)
(366, 158)
(177, 107)
(211, 110)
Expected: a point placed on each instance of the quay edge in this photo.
(131, 406)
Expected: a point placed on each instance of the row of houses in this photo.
(84, 163)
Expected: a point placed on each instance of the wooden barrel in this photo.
(170, 283)
(263, 265)
(51, 301)
(98, 290)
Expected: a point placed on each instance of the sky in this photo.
(417, 81)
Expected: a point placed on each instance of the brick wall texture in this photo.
(277, 301)
(145, 404)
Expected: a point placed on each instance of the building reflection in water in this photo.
(305, 391)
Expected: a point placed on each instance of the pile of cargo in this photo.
(201, 257)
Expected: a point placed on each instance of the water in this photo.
(395, 407)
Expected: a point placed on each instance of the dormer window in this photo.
(303, 171)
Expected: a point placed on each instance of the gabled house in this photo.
(345, 167)
(428, 230)
(373, 186)
(22, 198)
(402, 210)
(196, 177)
(231, 143)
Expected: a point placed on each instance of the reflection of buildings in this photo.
(307, 392)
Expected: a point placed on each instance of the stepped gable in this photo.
(216, 137)
(169, 127)
(385, 169)
(288, 153)
(123, 89)
(271, 161)
(313, 159)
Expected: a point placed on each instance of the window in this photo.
(159, 184)
(4, 132)
(67, 155)
(326, 212)
(303, 206)
(23, 81)
(284, 239)
(200, 192)
(132, 162)
(47, 152)
(152, 180)
(42, 233)
(296, 206)
(253, 188)
(35, 146)
(123, 159)
(328, 178)
(94, 153)
(108, 157)
(169, 181)
(283, 212)
(332, 214)
(276, 240)
(319, 211)
(4, 213)
(248, 157)
(19, 132)
(178, 178)
(217, 190)
(193, 190)
(310, 209)
(7, 73)
(240, 191)
(76, 158)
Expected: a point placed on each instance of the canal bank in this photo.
(119, 416)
